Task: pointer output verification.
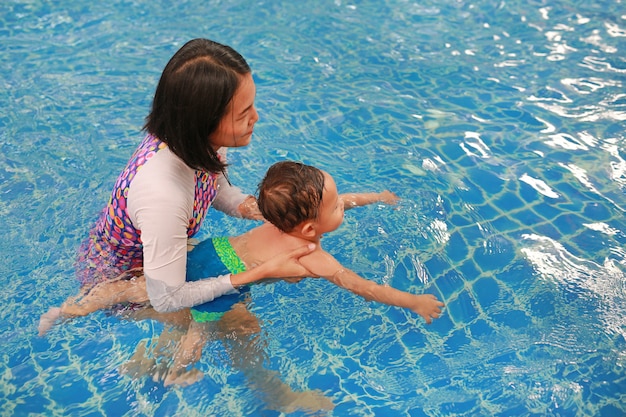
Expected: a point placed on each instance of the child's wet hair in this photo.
(290, 194)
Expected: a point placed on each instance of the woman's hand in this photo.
(285, 265)
(249, 209)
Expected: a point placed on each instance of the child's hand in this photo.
(388, 197)
(427, 306)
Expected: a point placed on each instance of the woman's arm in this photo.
(231, 200)
(352, 200)
(165, 298)
(325, 265)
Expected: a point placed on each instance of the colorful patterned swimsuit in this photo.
(114, 244)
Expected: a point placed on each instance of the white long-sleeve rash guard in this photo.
(160, 204)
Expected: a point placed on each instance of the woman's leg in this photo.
(128, 287)
(188, 353)
(240, 330)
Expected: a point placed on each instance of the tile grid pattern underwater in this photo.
(500, 125)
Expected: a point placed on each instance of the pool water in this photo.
(499, 124)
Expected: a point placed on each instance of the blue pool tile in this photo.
(468, 270)
(487, 291)
(459, 221)
(326, 381)
(464, 101)
(509, 202)
(611, 410)
(457, 248)
(519, 410)
(548, 230)
(454, 129)
(488, 181)
(596, 212)
(591, 244)
(437, 266)
(504, 224)
(527, 217)
(414, 338)
(497, 254)
(466, 407)
(449, 283)
(514, 113)
(515, 319)
(74, 390)
(542, 305)
(456, 341)
(568, 223)
(480, 328)
(573, 193)
(531, 121)
(463, 309)
(507, 357)
(547, 210)
(528, 193)
(451, 150)
(487, 211)
(473, 195)
(473, 234)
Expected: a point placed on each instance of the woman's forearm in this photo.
(166, 299)
(250, 276)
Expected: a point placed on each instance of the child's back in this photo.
(262, 243)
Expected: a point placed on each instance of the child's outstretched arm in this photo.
(426, 305)
(352, 200)
(325, 265)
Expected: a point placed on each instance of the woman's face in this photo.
(235, 128)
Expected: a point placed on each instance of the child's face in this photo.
(331, 210)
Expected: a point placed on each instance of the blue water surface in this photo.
(499, 124)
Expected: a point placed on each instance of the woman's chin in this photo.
(243, 141)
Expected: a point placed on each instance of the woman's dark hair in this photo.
(192, 97)
(290, 194)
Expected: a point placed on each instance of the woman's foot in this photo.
(184, 378)
(291, 401)
(48, 319)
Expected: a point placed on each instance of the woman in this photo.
(204, 103)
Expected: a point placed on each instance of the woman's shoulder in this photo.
(164, 169)
(164, 179)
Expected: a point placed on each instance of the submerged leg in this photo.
(106, 295)
(153, 361)
(128, 287)
(188, 353)
(240, 330)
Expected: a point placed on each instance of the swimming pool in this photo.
(500, 125)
